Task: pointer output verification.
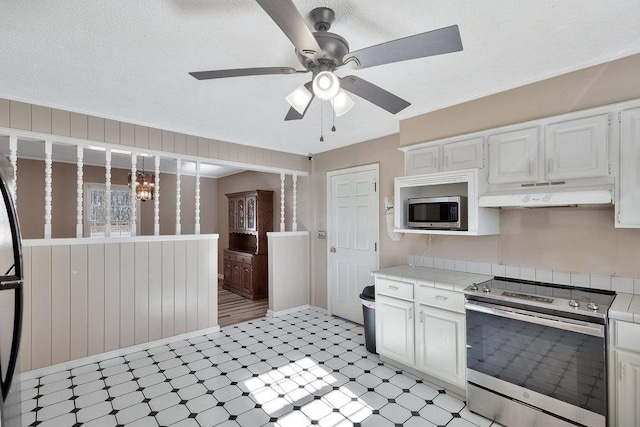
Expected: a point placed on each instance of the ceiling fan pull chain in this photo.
(321, 137)
(333, 117)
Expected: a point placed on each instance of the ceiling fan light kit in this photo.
(300, 98)
(326, 85)
(323, 52)
(342, 103)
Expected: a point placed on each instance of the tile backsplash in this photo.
(585, 280)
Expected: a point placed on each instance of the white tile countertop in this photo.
(436, 277)
(625, 307)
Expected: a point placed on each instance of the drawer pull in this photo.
(441, 298)
(410, 313)
(393, 288)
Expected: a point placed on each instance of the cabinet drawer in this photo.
(393, 288)
(244, 258)
(626, 336)
(440, 298)
(229, 256)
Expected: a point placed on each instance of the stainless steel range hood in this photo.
(548, 196)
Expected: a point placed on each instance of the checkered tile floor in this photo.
(297, 370)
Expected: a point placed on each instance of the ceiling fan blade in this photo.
(285, 14)
(436, 42)
(241, 72)
(374, 94)
(292, 114)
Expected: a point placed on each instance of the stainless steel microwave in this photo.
(444, 213)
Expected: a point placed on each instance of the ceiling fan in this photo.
(322, 52)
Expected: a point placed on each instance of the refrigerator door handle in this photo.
(15, 341)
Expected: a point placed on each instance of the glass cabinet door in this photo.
(251, 213)
(232, 214)
(241, 215)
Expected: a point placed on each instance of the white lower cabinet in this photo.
(625, 374)
(394, 329)
(627, 388)
(422, 327)
(440, 344)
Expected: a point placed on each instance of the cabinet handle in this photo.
(441, 298)
(421, 316)
(446, 160)
(530, 167)
(393, 288)
(410, 313)
(550, 166)
(621, 371)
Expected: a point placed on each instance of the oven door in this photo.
(554, 364)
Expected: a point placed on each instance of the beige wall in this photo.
(63, 212)
(247, 181)
(571, 239)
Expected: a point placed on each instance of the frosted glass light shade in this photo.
(326, 85)
(342, 103)
(299, 99)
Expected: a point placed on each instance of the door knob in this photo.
(333, 250)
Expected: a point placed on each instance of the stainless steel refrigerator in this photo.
(11, 300)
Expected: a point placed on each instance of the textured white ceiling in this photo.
(129, 60)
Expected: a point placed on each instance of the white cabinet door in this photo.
(394, 329)
(513, 157)
(629, 184)
(440, 346)
(465, 154)
(627, 388)
(577, 148)
(421, 160)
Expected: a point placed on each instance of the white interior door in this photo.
(353, 237)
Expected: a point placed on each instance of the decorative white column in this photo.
(295, 203)
(197, 227)
(48, 151)
(282, 202)
(178, 189)
(79, 190)
(134, 205)
(156, 199)
(107, 192)
(13, 158)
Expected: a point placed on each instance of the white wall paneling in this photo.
(88, 296)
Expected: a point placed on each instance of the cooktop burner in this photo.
(583, 301)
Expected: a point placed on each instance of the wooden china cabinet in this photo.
(245, 261)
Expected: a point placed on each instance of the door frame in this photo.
(330, 174)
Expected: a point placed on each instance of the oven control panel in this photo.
(528, 297)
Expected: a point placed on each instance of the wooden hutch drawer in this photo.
(248, 259)
(229, 255)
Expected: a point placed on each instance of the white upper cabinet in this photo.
(444, 156)
(465, 154)
(513, 156)
(422, 160)
(577, 148)
(628, 194)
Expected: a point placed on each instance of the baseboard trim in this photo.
(220, 276)
(40, 372)
(271, 313)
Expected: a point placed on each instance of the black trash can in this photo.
(368, 298)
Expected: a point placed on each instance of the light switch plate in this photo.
(322, 234)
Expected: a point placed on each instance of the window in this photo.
(96, 213)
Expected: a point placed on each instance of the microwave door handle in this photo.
(5, 384)
(582, 328)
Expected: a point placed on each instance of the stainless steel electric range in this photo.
(536, 353)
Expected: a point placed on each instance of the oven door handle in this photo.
(539, 319)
